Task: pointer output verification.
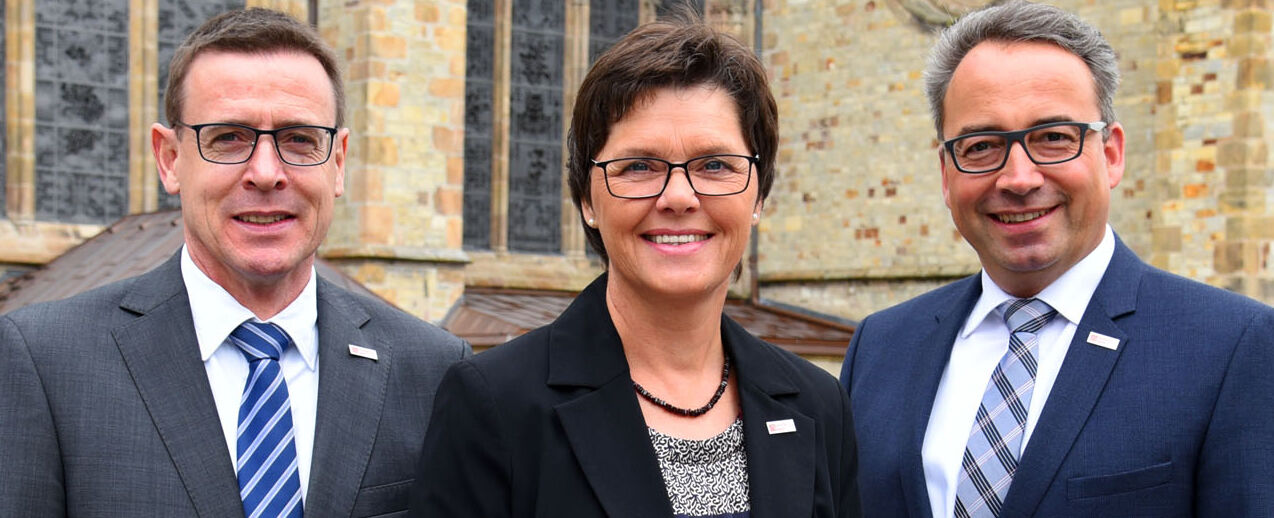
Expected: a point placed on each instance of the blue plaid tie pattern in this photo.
(995, 443)
(269, 482)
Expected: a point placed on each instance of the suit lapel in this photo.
(604, 425)
(780, 466)
(161, 353)
(925, 373)
(351, 396)
(608, 436)
(1079, 383)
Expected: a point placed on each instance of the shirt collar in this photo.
(216, 313)
(1069, 294)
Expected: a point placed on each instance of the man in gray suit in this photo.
(231, 380)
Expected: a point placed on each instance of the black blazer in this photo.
(548, 425)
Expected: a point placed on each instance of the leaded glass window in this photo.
(177, 19)
(478, 98)
(609, 20)
(81, 110)
(535, 129)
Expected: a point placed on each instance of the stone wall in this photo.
(856, 220)
(857, 223)
(398, 226)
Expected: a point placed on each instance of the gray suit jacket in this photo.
(106, 410)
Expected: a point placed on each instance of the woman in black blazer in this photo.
(643, 399)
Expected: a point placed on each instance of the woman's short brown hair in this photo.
(678, 52)
(252, 31)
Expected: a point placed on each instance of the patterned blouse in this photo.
(706, 478)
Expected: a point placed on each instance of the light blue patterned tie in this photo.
(995, 443)
(269, 482)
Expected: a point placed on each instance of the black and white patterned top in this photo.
(707, 478)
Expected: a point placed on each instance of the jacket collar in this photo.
(605, 428)
(161, 353)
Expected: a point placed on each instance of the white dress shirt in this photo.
(216, 314)
(978, 347)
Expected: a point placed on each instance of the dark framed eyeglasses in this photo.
(228, 143)
(647, 177)
(1046, 144)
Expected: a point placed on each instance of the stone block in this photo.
(447, 140)
(382, 151)
(365, 185)
(1254, 72)
(455, 170)
(376, 224)
(1194, 190)
(1237, 153)
(1246, 178)
(428, 12)
(1168, 138)
(449, 38)
(1252, 20)
(1250, 227)
(447, 87)
(455, 233)
(383, 93)
(388, 46)
(1163, 92)
(1249, 125)
(1228, 257)
(1166, 239)
(1248, 44)
(449, 201)
(370, 273)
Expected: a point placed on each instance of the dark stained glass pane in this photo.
(535, 129)
(177, 19)
(478, 98)
(609, 20)
(81, 110)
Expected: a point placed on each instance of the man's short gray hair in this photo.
(1020, 22)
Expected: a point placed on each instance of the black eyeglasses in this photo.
(646, 177)
(1052, 143)
(226, 143)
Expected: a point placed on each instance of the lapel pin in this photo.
(782, 426)
(356, 350)
(1101, 340)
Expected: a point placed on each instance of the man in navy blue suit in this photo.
(1068, 378)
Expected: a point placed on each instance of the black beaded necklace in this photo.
(696, 412)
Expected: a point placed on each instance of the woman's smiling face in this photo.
(680, 242)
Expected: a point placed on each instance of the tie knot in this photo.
(259, 341)
(1028, 315)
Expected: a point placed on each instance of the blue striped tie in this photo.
(995, 443)
(269, 482)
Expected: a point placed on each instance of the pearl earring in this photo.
(756, 216)
(592, 222)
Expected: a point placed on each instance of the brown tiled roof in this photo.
(483, 316)
(129, 247)
(489, 316)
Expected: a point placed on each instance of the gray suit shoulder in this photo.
(403, 329)
(97, 307)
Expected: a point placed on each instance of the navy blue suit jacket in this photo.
(1177, 421)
